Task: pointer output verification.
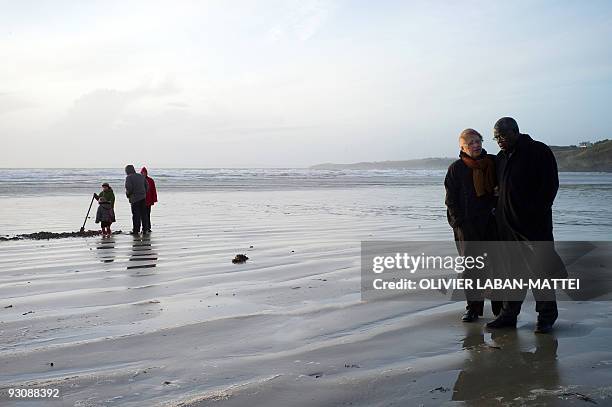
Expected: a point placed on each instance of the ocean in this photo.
(53, 199)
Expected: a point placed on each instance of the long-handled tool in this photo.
(86, 216)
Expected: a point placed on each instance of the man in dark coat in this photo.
(470, 183)
(136, 191)
(528, 182)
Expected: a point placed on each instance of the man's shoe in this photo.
(496, 307)
(502, 322)
(469, 316)
(543, 328)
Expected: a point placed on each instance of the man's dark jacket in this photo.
(528, 182)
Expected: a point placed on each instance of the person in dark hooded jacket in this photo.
(470, 185)
(528, 182)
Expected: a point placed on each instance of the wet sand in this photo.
(169, 320)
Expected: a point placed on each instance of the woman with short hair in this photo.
(470, 200)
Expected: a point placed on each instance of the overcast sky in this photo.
(293, 83)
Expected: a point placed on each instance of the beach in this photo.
(168, 320)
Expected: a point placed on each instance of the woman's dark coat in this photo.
(470, 216)
(472, 220)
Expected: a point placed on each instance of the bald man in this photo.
(528, 182)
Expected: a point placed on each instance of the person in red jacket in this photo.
(150, 200)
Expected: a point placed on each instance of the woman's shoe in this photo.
(469, 316)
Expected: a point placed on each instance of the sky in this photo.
(273, 83)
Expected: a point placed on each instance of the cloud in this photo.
(11, 102)
(303, 20)
(102, 109)
(179, 105)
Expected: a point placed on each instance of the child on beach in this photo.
(107, 193)
(105, 216)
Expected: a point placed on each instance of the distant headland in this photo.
(583, 157)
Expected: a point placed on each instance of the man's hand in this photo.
(96, 196)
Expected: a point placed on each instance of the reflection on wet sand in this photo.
(503, 366)
(143, 254)
(106, 249)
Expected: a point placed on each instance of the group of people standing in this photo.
(142, 194)
(506, 198)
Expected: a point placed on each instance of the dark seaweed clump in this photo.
(239, 259)
(50, 235)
